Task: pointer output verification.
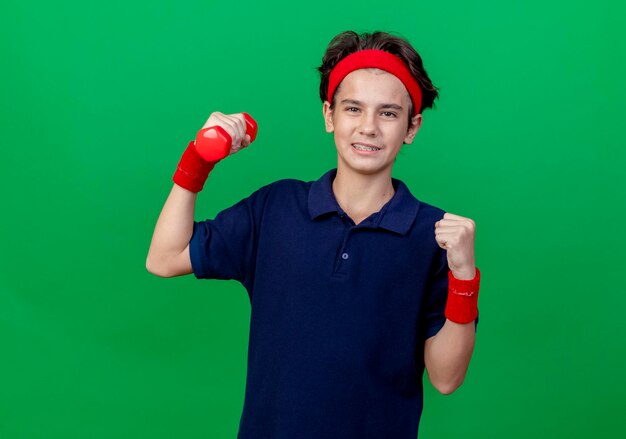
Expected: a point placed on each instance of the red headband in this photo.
(379, 59)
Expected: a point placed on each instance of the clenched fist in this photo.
(455, 234)
(235, 126)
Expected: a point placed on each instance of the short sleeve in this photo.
(437, 296)
(225, 247)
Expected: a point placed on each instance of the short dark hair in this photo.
(349, 42)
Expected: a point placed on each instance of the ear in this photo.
(416, 123)
(328, 117)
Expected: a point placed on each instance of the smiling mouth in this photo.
(361, 147)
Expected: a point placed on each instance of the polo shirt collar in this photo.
(397, 215)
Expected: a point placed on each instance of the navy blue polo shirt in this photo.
(339, 312)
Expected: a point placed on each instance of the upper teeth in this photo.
(365, 148)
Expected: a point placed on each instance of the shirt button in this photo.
(344, 256)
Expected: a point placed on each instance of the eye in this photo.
(389, 113)
(351, 108)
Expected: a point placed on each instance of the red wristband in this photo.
(192, 170)
(462, 304)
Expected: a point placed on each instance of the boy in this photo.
(355, 286)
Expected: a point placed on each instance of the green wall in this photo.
(98, 102)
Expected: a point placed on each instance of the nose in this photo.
(367, 125)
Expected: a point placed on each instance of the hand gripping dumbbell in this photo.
(214, 143)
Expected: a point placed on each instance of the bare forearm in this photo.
(447, 355)
(174, 227)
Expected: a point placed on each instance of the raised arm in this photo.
(168, 255)
(447, 354)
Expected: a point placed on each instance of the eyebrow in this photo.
(355, 102)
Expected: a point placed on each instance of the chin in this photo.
(367, 170)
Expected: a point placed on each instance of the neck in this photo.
(360, 195)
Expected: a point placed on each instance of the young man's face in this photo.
(371, 107)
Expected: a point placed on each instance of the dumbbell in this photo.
(214, 143)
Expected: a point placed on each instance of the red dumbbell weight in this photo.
(214, 143)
